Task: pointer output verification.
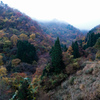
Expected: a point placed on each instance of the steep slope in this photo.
(83, 85)
(11, 18)
(96, 29)
(66, 32)
(13, 22)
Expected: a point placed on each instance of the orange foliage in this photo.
(83, 38)
(1, 33)
(31, 40)
(18, 75)
(1, 60)
(70, 50)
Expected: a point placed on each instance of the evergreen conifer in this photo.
(25, 91)
(75, 48)
(56, 57)
(26, 52)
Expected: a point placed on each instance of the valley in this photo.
(50, 60)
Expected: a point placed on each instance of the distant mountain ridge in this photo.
(66, 32)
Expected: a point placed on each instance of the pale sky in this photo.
(83, 14)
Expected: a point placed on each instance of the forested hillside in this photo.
(16, 25)
(90, 39)
(66, 32)
(35, 67)
(96, 29)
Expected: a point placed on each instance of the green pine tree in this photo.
(64, 48)
(56, 57)
(97, 45)
(91, 39)
(25, 91)
(75, 49)
(26, 52)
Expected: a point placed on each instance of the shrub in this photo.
(89, 71)
(98, 54)
(71, 80)
(16, 79)
(73, 66)
(16, 61)
(24, 67)
(52, 81)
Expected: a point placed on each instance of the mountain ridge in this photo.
(55, 28)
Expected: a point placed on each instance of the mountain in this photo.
(66, 32)
(90, 37)
(13, 22)
(30, 72)
(84, 31)
(95, 30)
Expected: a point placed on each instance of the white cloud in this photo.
(76, 12)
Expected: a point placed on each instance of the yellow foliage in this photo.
(12, 17)
(14, 39)
(36, 81)
(23, 36)
(83, 38)
(8, 42)
(1, 31)
(32, 36)
(5, 38)
(3, 71)
(6, 19)
(5, 79)
(37, 33)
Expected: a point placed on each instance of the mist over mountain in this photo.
(47, 60)
(84, 31)
(55, 28)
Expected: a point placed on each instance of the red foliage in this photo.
(23, 75)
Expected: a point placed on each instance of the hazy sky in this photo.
(83, 14)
